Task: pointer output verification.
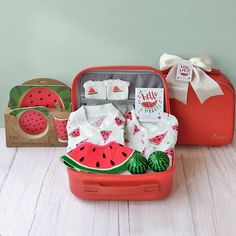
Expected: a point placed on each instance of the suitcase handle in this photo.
(121, 190)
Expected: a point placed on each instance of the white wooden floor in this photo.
(35, 198)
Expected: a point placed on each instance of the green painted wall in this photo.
(58, 38)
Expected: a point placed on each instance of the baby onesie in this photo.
(96, 124)
(150, 137)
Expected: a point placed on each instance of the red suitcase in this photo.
(209, 123)
(148, 186)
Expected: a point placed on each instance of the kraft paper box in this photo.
(37, 114)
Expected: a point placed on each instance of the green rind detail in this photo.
(16, 94)
(64, 93)
(75, 165)
(68, 165)
(17, 111)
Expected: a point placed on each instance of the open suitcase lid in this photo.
(138, 76)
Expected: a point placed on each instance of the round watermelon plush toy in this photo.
(158, 161)
(109, 158)
(137, 165)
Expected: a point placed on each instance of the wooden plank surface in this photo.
(8, 155)
(35, 197)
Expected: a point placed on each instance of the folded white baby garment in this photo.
(117, 89)
(99, 124)
(95, 89)
(150, 137)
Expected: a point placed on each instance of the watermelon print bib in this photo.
(150, 137)
(99, 125)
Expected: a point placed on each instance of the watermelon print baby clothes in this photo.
(95, 89)
(99, 124)
(150, 137)
(117, 89)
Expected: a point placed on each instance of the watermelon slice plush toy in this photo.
(46, 96)
(109, 158)
(31, 122)
(158, 139)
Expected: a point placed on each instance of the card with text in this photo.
(184, 71)
(149, 104)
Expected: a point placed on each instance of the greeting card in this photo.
(149, 104)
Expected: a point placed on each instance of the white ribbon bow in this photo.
(203, 85)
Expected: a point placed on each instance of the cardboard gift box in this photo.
(202, 99)
(37, 114)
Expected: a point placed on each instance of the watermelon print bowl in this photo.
(32, 123)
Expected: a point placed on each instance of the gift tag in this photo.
(184, 71)
(149, 104)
